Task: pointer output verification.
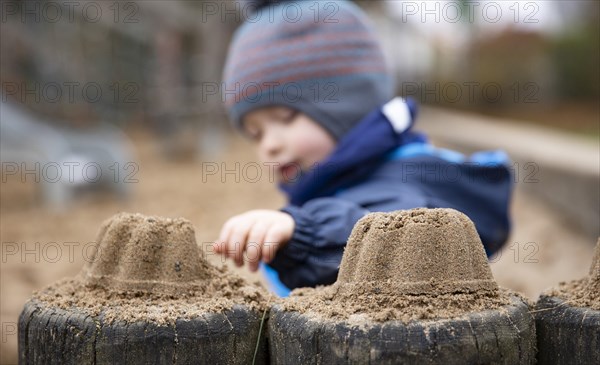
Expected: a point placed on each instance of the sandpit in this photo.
(148, 294)
(413, 287)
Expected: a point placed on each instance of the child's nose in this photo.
(272, 144)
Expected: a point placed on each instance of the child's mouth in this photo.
(289, 172)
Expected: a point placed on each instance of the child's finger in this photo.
(272, 241)
(237, 242)
(221, 243)
(254, 245)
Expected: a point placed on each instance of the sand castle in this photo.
(148, 254)
(415, 264)
(416, 252)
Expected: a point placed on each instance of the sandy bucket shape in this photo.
(416, 252)
(148, 254)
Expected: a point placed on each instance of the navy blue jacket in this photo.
(381, 165)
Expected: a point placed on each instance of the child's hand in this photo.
(258, 233)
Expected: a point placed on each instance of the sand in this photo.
(407, 265)
(584, 292)
(151, 269)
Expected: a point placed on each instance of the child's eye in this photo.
(290, 116)
(253, 135)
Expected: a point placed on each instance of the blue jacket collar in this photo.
(359, 152)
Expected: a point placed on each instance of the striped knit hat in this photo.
(321, 58)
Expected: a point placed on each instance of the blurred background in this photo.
(111, 106)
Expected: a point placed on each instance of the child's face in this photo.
(287, 139)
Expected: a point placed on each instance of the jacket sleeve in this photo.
(313, 254)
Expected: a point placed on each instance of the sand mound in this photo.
(148, 254)
(416, 252)
(415, 264)
(584, 292)
(150, 268)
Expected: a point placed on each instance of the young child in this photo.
(339, 154)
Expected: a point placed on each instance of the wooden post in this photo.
(50, 335)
